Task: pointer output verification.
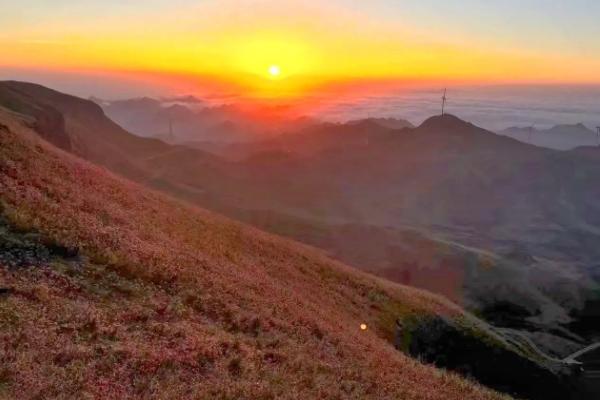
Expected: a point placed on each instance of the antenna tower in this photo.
(444, 98)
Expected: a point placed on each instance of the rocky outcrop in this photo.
(491, 362)
(46, 120)
(26, 249)
(50, 124)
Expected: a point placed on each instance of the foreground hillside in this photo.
(112, 291)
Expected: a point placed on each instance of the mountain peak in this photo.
(446, 122)
(570, 129)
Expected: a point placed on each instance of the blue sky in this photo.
(569, 25)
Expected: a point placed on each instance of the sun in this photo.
(274, 71)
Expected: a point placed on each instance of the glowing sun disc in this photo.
(274, 70)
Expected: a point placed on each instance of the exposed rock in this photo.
(50, 124)
(18, 249)
(505, 313)
(496, 365)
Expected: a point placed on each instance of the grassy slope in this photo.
(170, 301)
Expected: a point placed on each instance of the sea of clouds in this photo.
(493, 108)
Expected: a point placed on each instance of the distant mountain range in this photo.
(493, 223)
(188, 119)
(309, 140)
(559, 137)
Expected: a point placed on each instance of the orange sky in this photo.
(232, 45)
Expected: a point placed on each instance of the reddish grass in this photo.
(176, 302)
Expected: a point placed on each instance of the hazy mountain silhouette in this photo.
(559, 137)
(86, 131)
(312, 139)
(188, 120)
(392, 123)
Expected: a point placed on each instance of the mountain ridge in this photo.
(559, 137)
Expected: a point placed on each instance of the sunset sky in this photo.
(232, 45)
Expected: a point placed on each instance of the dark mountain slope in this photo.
(454, 175)
(84, 129)
(88, 133)
(315, 138)
(462, 186)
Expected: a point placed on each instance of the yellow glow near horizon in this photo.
(288, 53)
(311, 45)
